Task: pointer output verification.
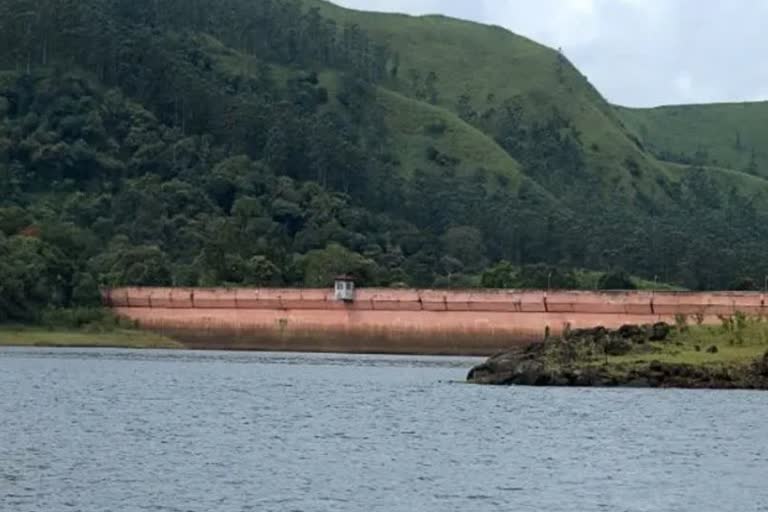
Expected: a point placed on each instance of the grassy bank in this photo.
(80, 327)
(733, 355)
(32, 336)
(736, 341)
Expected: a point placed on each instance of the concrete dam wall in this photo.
(404, 321)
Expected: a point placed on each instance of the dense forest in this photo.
(246, 142)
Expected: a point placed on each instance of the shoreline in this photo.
(54, 337)
(20, 336)
(733, 356)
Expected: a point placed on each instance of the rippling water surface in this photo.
(109, 430)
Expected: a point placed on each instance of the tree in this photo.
(752, 167)
(617, 280)
(430, 86)
(13, 219)
(137, 266)
(33, 275)
(745, 284)
(322, 266)
(544, 277)
(260, 271)
(465, 243)
(502, 275)
(85, 290)
(464, 108)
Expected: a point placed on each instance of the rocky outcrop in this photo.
(580, 358)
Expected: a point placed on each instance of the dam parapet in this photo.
(383, 320)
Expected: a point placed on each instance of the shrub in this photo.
(91, 319)
(616, 281)
(436, 128)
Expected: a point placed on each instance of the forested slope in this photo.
(258, 142)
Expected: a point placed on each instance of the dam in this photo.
(402, 321)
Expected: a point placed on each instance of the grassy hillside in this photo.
(752, 189)
(622, 146)
(732, 135)
(507, 68)
(414, 125)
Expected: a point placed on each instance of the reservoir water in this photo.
(120, 431)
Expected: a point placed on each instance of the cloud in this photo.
(637, 52)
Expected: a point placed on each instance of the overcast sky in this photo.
(637, 52)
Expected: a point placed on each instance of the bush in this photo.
(91, 319)
(744, 284)
(436, 128)
(616, 281)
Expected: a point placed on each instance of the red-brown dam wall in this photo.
(403, 321)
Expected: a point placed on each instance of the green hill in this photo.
(255, 142)
(481, 70)
(412, 125)
(725, 135)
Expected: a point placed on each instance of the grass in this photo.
(410, 120)
(25, 336)
(736, 345)
(647, 285)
